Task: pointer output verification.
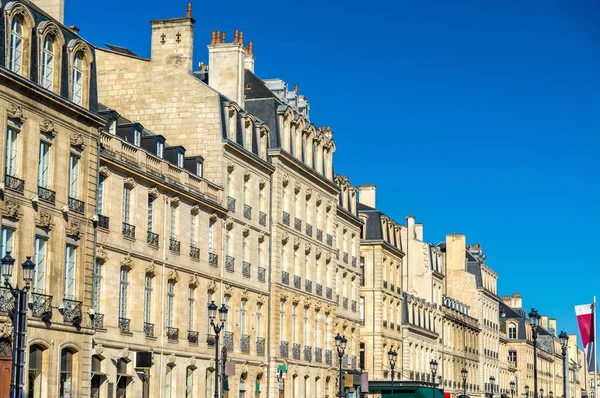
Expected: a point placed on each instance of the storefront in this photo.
(405, 389)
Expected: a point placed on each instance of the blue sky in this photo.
(477, 117)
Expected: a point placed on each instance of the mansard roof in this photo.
(374, 230)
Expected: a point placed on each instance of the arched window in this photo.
(48, 63)
(66, 373)
(16, 45)
(77, 90)
(242, 387)
(36, 354)
(512, 331)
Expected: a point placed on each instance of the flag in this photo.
(585, 319)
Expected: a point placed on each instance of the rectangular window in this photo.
(243, 317)
(148, 299)
(97, 288)
(78, 79)
(305, 328)
(16, 45)
(170, 302)
(210, 328)
(316, 330)
(281, 320)
(211, 235)
(7, 241)
(169, 383)
(173, 226)
(226, 302)
(123, 290)
(193, 223)
(293, 323)
(258, 320)
(48, 63)
(126, 203)
(180, 159)
(44, 165)
(361, 305)
(189, 382)
(100, 196)
(11, 165)
(69, 282)
(150, 213)
(199, 169)
(191, 308)
(160, 149)
(512, 356)
(137, 137)
(74, 177)
(112, 126)
(40, 253)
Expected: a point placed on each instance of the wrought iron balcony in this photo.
(298, 224)
(192, 337)
(98, 321)
(148, 329)
(76, 205)
(329, 293)
(14, 183)
(247, 212)
(230, 263)
(345, 258)
(194, 252)
(174, 245)
(124, 325)
(103, 221)
(128, 230)
(385, 284)
(41, 306)
(318, 355)
(245, 343)
(213, 258)
(72, 311)
(308, 353)
(286, 218)
(353, 307)
(152, 238)
(228, 341)
(296, 351)
(297, 282)
(308, 229)
(46, 195)
(353, 261)
(262, 274)
(284, 349)
(231, 204)
(285, 277)
(211, 340)
(173, 334)
(246, 269)
(329, 240)
(260, 346)
(308, 285)
(328, 357)
(353, 362)
(319, 289)
(345, 303)
(319, 235)
(262, 218)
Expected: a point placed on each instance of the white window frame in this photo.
(126, 204)
(97, 290)
(48, 62)
(148, 298)
(40, 255)
(160, 149)
(170, 302)
(77, 93)
(70, 271)
(16, 45)
(123, 292)
(180, 159)
(11, 164)
(100, 195)
(74, 176)
(191, 294)
(150, 218)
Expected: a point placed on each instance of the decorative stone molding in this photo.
(319, 199)
(151, 269)
(44, 219)
(308, 193)
(98, 350)
(212, 286)
(130, 183)
(285, 237)
(308, 303)
(284, 296)
(296, 243)
(229, 223)
(175, 201)
(6, 330)
(74, 228)
(327, 258)
(261, 298)
(318, 306)
(296, 299)
(104, 171)
(171, 360)
(307, 248)
(16, 112)
(246, 231)
(297, 187)
(286, 180)
(47, 127)
(127, 262)
(318, 252)
(247, 123)
(173, 275)
(228, 289)
(101, 255)
(328, 205)
(124, 353)
(213, 217)
(195, 210)
(193, 281)
(154, 193)
(261, 237)
(262, 183)
(230, 167)
(245, 294)
(192, 362)
(12, 209)
(78, 141)
(247, 175)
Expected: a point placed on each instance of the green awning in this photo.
(404, 391)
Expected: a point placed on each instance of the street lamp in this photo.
(464, 372)
(433, 365)
(551, 394)
(17, 382)
(392, 356)
(492, 380)
(512, 388)
(340, 344)
(527, 391)
(564, 341)
(217, 327)
(541, 393)
(534, 319)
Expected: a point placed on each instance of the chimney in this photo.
(544, 322)
(419, 231)
(410, 227)
(54, 8)
(517, 300)
(456, 258)
(296, 88)
(366, 192)
(226, 63)
(173, 41)
(553, 325)
(249, 59)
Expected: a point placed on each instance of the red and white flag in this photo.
(585, 319)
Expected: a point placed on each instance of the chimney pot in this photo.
(218, 37)
(296, 88)
(213, 40)
(250, 48)
(189, 10)
(202, 66)
(235, 36)
(223, 38)
(241, 41)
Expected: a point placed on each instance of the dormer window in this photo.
(137, 137)
(77, 97)
(48, 63)
(160, 149)
(199, 169)
(112, 126)
(180, 159)
(16, 45)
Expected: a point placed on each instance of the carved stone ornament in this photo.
(124, 353)
(212, 286)
(16, 112)
(246, 231)
(308, 193)
(98, 350)
(12, 209)
(245, 294)
(262, 183)
(47, 127)
(231, 112)
(285, 237)
(328, 205)
(296, 299)
(78, 141)
(151, 269)
(296, 243)
(247, 176)
(173, 275)
(318, 252)
(193, 281)
(213, 217)
(284, 296)
(175, 201)
(260, 299)
(192, 362)
(308, 303)
(286, 180)
(44, 219)
(228, 289)
(327, 257)
(297, 187)
(74, 228)
(195, 210)
(101, 255)
(171, 360)
(261, 237)
(130, 183)
(229, 224)
(230, 167)
(127, 262)
(104, 171)
(318, 306)
(154, 193)
(6, 330)
(345, 324)
(319, 199)
(307, 248)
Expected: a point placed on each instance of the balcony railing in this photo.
(14, 183)
(195, 252)
(174, 245)
(308, 285)
(230, 263)
(103, 221)
(298, 224)
(328, 357)
(76, 205)
(329, 240)
(319, 235)
(41, 306)
(246, 269)
(308, 353)
(329, 293)
(173, 334)
(297, 282)
(211, 340)
(353, 261)
(152, 238)
(353, 307)
(46, 195)
(245, 343)
(285, 277)
(247, 212)
(262, 274)
(345, 258)
(228, 341)
(231, 204)
(296, 351)
(319, 289)
(124, 325)
(318, 355)
(353, 362)
(128, 230)
(72, 311)
(98, 321)
(148, 329)
(286, 218)
(213, 258)
(192, 337)
(260, 346)
(308, 229)
(283, 349)
(262, 218)
(345, 303)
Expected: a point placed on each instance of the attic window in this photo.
(112, 126)
(180, 159)
(248, 86)
(160, 149)
(199, 169)
(137, 137)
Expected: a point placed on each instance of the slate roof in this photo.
(373, 227)
(119, 49)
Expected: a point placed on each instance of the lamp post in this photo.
(217, 327)
(512, 388)
(433, 365)
(17, 382)
(340, 345)
(392, 356)
(534, 319)
(492, 380)
(541, 393)
(527, 391)
(551, 394)
(464, 372)
(564, 341)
